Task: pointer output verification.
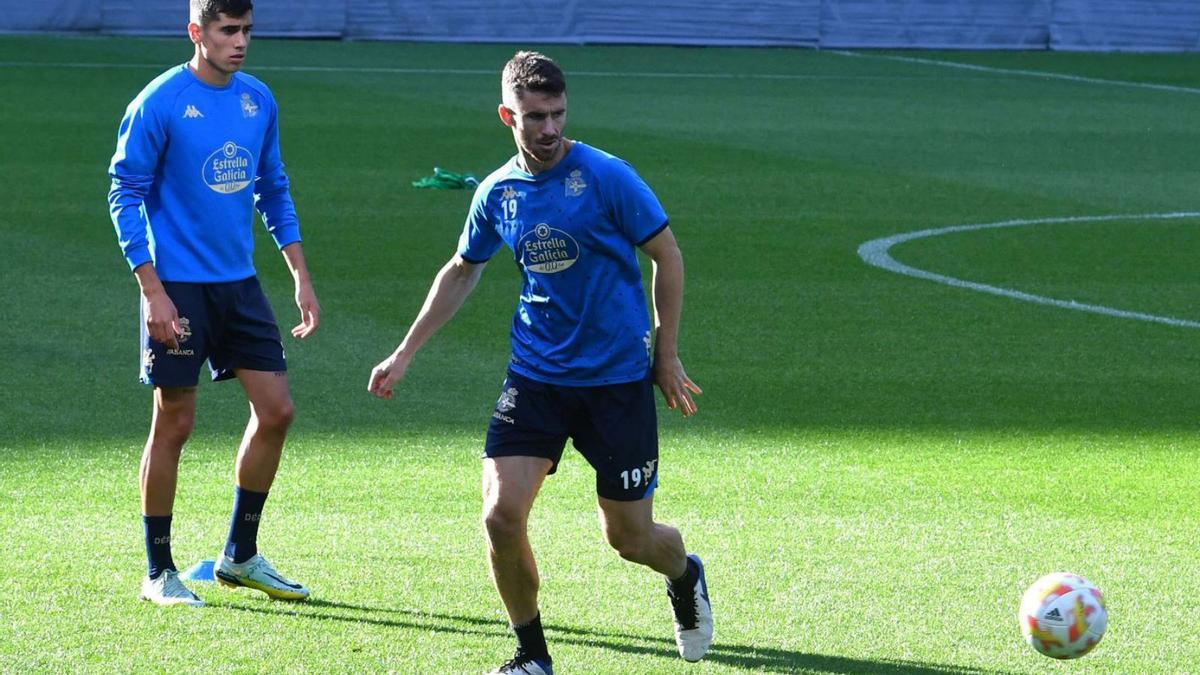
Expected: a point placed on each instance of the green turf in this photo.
(880, 465)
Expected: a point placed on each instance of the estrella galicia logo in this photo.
(228, 170)
(545, 249)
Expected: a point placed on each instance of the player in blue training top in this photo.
(197, 150)
(581, 363)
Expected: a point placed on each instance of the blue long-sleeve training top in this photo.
(192, 163)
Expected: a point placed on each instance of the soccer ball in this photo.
(1063, 616)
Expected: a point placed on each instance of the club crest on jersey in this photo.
(547, 250)
(228, 170)
(249, 107)
(575, 183)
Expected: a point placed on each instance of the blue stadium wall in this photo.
(1087, 25)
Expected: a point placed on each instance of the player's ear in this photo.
(194, 30)
(506, 115)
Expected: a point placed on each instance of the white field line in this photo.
(875, 252)
(1025, 73)
(468, 71)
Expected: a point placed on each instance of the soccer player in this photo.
(197, 150)
(581, 364)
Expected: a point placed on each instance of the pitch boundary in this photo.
(382, 70)
(876, 253)
(1024, 73)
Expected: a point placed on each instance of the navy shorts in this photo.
(614, 426)
(230, 325)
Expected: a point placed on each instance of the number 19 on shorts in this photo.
(631, 478)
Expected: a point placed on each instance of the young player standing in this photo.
(197, 150)
(581, 365)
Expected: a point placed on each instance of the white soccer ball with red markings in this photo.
(1063, 616)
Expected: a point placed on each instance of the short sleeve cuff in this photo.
(472, 259)
(658, 230)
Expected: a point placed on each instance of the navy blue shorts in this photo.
(614, 426)
(230, 325)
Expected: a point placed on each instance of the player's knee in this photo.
(503, 524)
(277, 416)
(172, 427)
(631, 546)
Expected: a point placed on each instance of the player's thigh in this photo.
(623, 520)
(268, 393)
(162, 366)
(174, 414)
(249, 336)
(511, 484)
(619, 437)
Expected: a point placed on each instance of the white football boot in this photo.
(258, 574)
(693, 617)
(168, 590)
(524, 666)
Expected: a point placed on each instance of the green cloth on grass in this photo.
(446, 180)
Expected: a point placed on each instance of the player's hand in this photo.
(162, 319)
(310, 311)
(677, 388)
(389, 371)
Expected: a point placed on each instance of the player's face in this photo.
(537, 120)
(222, 44)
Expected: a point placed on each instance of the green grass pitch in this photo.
(880, 465)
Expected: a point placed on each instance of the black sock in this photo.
(242, 544)
(530, 639)
(158, 545)
(684, 584)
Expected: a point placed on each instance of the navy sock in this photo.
(684, 584)
(158, 545)
(243, 527)
(530, 639)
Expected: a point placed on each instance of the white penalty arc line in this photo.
(876, 253)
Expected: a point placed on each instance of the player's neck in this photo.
(533, 166)
(207, 73)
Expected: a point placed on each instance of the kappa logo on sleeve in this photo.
(192, 112)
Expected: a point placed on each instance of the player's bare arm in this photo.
(449, 290)
(306, 297)
(162, 319)
(677, 388)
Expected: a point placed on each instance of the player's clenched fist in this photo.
(389, 371)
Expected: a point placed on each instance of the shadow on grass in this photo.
(762, 659)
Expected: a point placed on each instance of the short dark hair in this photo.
(205, 12)
(533, 71)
